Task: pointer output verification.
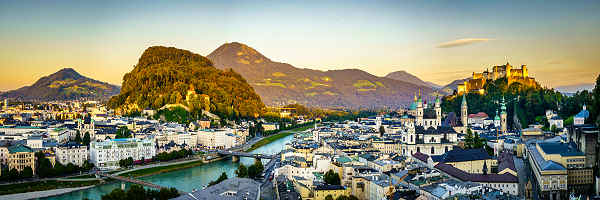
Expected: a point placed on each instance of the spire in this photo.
(415, 96)
(464, 100)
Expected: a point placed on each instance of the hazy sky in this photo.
(438, 41)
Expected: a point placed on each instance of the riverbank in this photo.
(277, 136)
(161, 168)
(42, 194)
(43, 186)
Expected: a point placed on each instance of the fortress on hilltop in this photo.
(477, 82)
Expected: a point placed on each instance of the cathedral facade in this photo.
(426, 134)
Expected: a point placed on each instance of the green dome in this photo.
(413, 106)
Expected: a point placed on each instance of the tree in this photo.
(44, 169)
(329, 197)
(344, 197)
(123, 132)
(86, 139)
(332, 178)
(27, 172)
(468, 139)
(116, 194)
(78, 137)
(259, 166)
(219, 180)
(242, 171)
(595, 107)
(136, 192)
(381, 131)
(13, 174)
(255, 170)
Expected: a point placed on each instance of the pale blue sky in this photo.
(558, 40)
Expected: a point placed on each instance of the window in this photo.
(432, 150)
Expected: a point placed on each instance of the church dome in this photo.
(413, 106)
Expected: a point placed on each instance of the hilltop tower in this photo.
(463, 111)
(503, 117)
(420, 110)
(438, 111)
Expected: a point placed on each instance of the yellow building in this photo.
(387, 146)
(322, 191)
(559, 168)
(20, 157)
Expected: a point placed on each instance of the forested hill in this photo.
(528, 103)
(167, 75)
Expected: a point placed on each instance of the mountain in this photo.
(166, 75)
(281, 83)
(433, 85)
(449, 89)
(572, 89)
(66, 84)
(407, 77)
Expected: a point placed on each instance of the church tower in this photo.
(503, 117)
(463, 111)
(438, 112)
(420, 110)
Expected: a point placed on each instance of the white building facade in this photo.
(108, 153)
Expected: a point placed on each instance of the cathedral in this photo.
(425, 132)
(477, 82)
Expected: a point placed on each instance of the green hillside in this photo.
(165, 75)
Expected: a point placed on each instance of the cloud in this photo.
(462, 42)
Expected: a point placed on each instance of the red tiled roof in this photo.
(478, 115)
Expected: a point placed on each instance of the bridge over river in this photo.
(135, 181)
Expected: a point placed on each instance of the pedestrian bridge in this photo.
(131, 180)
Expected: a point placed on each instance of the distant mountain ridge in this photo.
(407, 77)
(571, 89)
(66, 84)
(281, 83)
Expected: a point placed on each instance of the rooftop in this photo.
(19, 148)
(461, 155)
(230, 189)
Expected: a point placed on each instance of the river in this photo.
(185, 179)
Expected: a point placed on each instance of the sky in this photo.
(439, 41)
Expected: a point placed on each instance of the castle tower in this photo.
(463, 111)
(438, 111)
(503, 117)
(508, 68)
(420, 110)
(525, 72)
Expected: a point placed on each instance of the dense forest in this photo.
(164, 75)
(529, 103)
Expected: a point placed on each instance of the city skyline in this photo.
(437, 42)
